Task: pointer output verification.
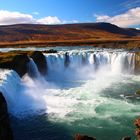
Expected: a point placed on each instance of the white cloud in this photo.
(49, 20)
(129, 18)
(8, 18)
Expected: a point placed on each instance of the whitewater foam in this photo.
(75, 91)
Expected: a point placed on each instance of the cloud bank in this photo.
(8, 18)
(127, 19)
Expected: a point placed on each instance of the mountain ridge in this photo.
(65, 33)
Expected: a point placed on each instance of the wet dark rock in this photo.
(83, 137)
(40, 61)
(5, 128)
(137, 63)
(126, 138)
(50, 51)
(67, 59)
(96, 62)
(19, 63)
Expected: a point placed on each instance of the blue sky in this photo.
(123, 13)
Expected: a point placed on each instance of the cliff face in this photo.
(5, 128)
(137, 63)
(19, 61)
(40, 61)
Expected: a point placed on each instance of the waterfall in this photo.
(22, 95)
(10, 86)
(115, 62)
(80, 87)
(33, 70)
(32, 91)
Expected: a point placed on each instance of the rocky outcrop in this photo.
(137, 63)
(40, 61)
(67, 60)
(17, 62)
(50, 51)
(137, 131)
(83, 137)
(5, 129)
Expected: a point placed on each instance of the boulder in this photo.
(5, 128)
(19, 64)
(83, 137)
(137, 131)
(16, 62)
(137, 122)
(40, 61)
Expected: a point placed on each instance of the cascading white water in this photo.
(10, 87)
(89, 62)
(80, 87)
(62, 66)
(32, 69)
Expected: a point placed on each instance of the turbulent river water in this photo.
(90, 92)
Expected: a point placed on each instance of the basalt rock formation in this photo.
(5, 128)
(40, 61)
(16, 62)
(19, 64)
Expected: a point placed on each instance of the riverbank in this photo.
(123, 43)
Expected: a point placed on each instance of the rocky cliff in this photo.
(40, 61)
(18, 61)
(5, 128)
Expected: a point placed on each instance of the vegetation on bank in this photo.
(9, 56)
(66, 35)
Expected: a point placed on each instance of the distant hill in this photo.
(68, 34)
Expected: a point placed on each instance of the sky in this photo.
(123, 13)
